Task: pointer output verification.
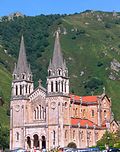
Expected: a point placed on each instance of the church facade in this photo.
(51, 117)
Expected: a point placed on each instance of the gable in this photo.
(39, 92)
(105, 102)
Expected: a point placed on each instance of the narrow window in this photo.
(53, 137)
(52, 86)
(65, 86)
(49, 73)
(105, 114)
(17, 136)
(29, 89)
(23, 76)
(26, 88)
(62, 86)
(30, 77)
(65, 134)
(35, 114)
(16, 90)
(82, 135)
(76, 112)
(20, 89)
(59, 72)
(56, 86)
(14, 76)
(43, 112)
(84, 113)
(92, 113)
(40, 111)
(73, 134)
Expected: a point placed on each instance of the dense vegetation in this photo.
(90, 43)
(109, 139)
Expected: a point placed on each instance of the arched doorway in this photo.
(28, 142)
(36, 140)
(43, 142)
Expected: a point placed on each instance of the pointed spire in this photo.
(57, 60)
(22, 66)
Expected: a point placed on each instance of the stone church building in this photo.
(51, 117)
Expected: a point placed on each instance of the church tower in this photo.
(57, 81)
(22, 86)
(57, 96)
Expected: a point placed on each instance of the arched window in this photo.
(23, 76)
(14, 76)
(51, 86)
(59, 72)
(49, 73)
(29, 142)
(93, 113)
(17, 136)
(16, 90)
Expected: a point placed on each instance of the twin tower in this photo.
(57, 80)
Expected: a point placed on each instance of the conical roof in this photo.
(22, 66)
(57, 60)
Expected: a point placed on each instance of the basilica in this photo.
(52, 116)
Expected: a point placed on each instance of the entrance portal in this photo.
(36, 140)
(28, 142)
(43, 142)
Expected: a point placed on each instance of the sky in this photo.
(37, 7)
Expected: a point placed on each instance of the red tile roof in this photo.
(74, 97)
(89, 98)
(82, 122)
(85, 99)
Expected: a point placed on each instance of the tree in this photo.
(107, 139)
(4, 140)
(117, 138)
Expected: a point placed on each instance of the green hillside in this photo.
(90, 43)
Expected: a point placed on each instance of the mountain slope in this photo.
(90, 43)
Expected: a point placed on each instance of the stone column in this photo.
(40, 143)
(67, 86)
(18, 89)
(32, 145)
(48, 86)
(54, 86)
